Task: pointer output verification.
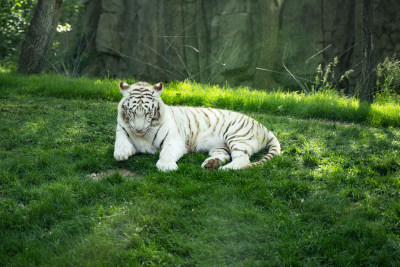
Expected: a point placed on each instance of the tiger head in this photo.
(139, 108)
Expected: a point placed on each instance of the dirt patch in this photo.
(123, 172)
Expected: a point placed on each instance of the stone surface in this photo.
(257, 43)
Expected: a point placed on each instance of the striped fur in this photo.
(146, 125)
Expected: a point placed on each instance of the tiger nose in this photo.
(140, 110)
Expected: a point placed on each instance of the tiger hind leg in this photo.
(217, 157)
(240, 159)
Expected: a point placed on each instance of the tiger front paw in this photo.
(123, 151)
(165, 166)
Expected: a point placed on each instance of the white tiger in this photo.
(146, 125)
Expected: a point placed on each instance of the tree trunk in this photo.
(367, 88)
(35, 47)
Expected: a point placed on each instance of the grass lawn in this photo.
(331, 198)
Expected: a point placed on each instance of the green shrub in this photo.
(325, 78)
(388, 78)
(15, 16)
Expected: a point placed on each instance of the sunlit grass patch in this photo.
(326, 104)
(385, 114)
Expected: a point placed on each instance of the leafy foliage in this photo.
(15, 16)
(388, 73)
(325, 77)
(70, 13)
(69, 46)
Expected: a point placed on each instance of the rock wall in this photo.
(257, 43)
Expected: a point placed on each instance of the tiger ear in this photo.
(123, 88)
(159, 88)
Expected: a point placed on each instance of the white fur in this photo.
(180, 130)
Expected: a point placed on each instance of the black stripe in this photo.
(194, 113)
(162, 142)
(271, 140)
(208, 117)
(216, 117)
(189, 124)
(173, 115)
(272, 150)
(155, 136)
(239, 127)
(222, 122)
(225, 148)
(237, 140)
(197, 124)
(226, 130)
(148, 95)
(127, 133)
(237, 136)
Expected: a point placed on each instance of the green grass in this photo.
(332, 198)
(327, 105)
